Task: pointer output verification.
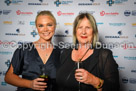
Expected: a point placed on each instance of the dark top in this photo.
(27, 62)
(100, 64)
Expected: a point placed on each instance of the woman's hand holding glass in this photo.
(86, 77)
(38, 84)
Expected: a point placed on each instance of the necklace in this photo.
(83, 55)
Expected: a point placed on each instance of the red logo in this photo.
(59, 13)
(102, 13)
(18, 12)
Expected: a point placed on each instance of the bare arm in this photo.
(15, 80)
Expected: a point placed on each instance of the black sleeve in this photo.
(17, 61)
(111, 74)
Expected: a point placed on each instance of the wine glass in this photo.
(44, 75)
(79, 65)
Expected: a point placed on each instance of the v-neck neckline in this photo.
(36, 52)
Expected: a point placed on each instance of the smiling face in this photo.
(84, 31)
(46, 27)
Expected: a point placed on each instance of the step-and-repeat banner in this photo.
(116, 21)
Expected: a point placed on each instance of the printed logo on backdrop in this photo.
(129, 46)
(21, 22)
(129, 13)
(32, 23)
(62, 2)
(116, 2)
(59, 13)
(6, 44)
(13, 2)
(89, 2)
(117, 24)
(133, 71)
(3, 83)
(119, 35)
(84, 11)
(5, 12)
(110, 2)
(133, 24)
(7, 63)
(115, 56)
(41, 2)
(125, 80)
(68, 24)
(34, 33)
(103, 13)
(132, 80)
(65, 34)
(99, 23)
(2, 73)
(15, 34)
(5, 53)
(129, 58)
(18, 12)
(7, 22)
(121, 68)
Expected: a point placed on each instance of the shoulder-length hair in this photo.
(92, 21)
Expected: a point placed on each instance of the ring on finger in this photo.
(81, 78)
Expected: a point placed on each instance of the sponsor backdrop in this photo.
(116, 20)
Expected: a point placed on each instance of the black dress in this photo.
(65, 74)
(27, 63)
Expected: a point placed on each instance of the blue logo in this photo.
(3, 83)
(127, 13)
(120, 32)
(117, 24)
(129, 58)
(32, 23)
(18, 30)
(66, 31)
(57, 2)
(110, 2)
(5, 52)
(7, 63)
(34, 33)
(8, 2)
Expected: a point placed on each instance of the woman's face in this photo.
(46, 27)
(84, 32)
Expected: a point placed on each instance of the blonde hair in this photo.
(48, 13)
(92, 21)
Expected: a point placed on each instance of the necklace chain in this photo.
(83, 55)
